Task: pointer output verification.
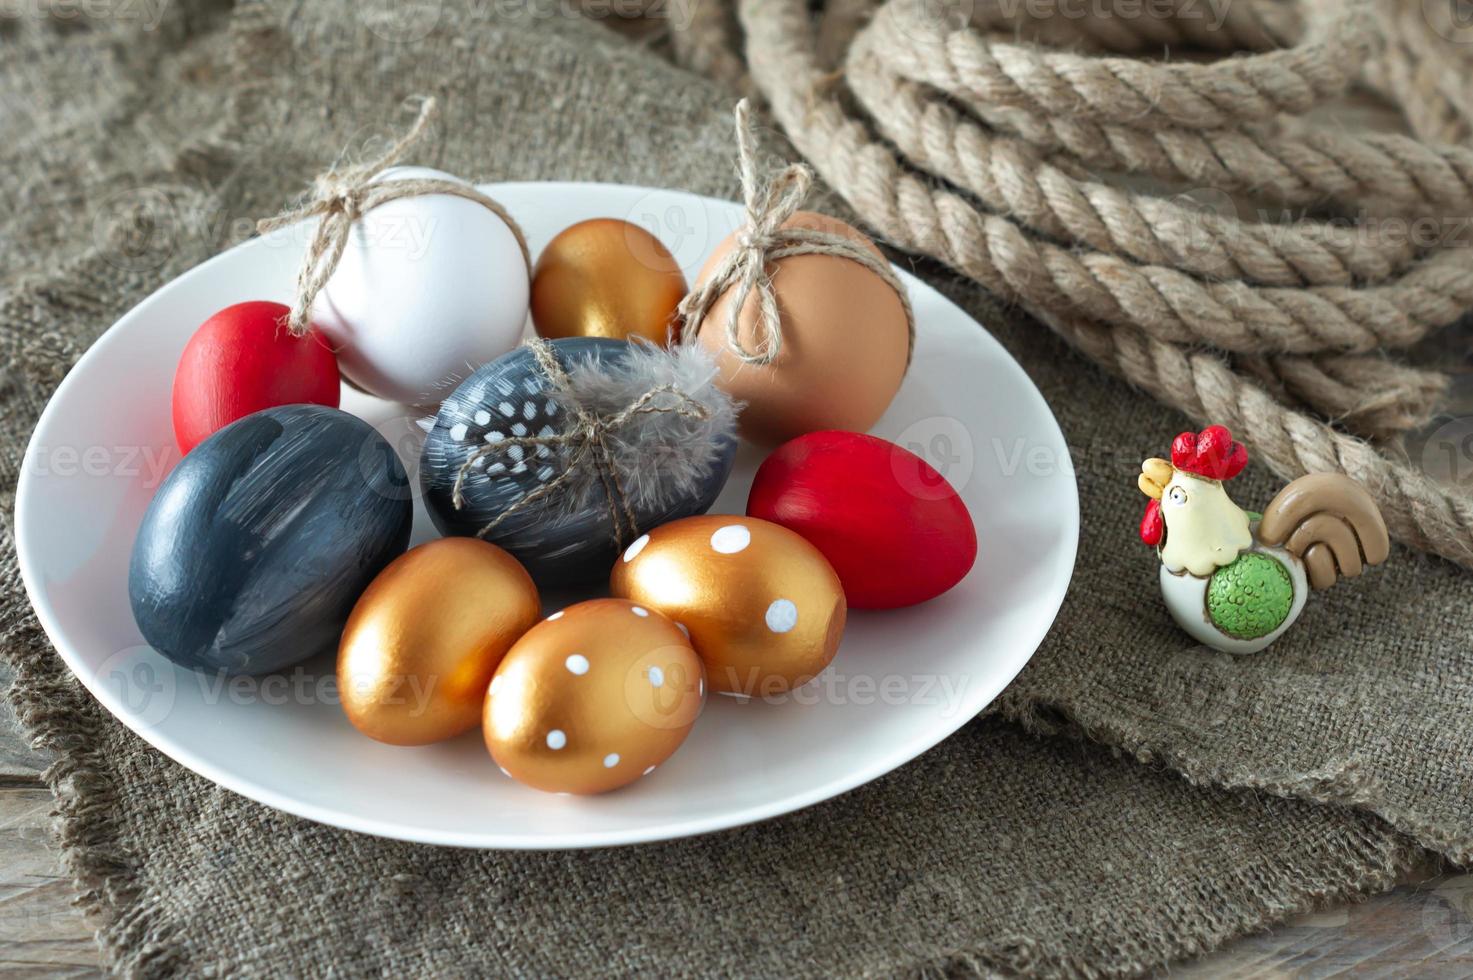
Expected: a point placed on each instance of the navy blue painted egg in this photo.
(256, 547)
(667, 466)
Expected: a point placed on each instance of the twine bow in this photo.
(343, 194)
(763, 240)
(586, 435)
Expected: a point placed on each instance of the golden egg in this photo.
(763, 607)
(424, 639)
(845, 342)
(593, 698)
(606, 278)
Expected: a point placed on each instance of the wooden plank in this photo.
(41, 932)
(1422, 929)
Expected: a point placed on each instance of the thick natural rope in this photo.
(1252, 25)
(1148, 255)
(1140, 93)
(1147, 321)
(1433, 93)
(1011, 177)
(343, 194)
(1375, 161)
(1418, 511)
(1320, 166)
(584, 440)
(763, 240)
(1366, 394)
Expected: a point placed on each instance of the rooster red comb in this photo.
(1210, 453)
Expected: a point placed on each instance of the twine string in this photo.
(762, 241)
(343, 194)
(588, 437)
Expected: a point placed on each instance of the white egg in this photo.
(429, 288)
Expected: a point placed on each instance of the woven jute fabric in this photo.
(1133, 800)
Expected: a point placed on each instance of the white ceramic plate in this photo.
(902, 680)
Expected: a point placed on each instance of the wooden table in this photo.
(1423, 928)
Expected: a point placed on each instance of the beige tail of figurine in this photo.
(1330, 523)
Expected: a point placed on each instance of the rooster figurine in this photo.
(1236, 581)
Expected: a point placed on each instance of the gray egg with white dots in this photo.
(563, 500)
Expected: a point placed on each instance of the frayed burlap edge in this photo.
(57, 713)
(59, 716)
(133, 935)
(1342, 782)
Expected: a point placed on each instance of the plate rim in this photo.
(668, 830)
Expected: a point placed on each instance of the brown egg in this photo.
(425, 637)
(593, 698)
(606, 278)
(764, 608)
(844, 349)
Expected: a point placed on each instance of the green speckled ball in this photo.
(1251, 597)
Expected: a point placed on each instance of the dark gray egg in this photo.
(256, 547)
(667, 463)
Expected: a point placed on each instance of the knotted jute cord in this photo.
(343, 194)
(763, 240)
(584, 439)
(991, 146)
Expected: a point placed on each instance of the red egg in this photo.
(895, 531)
(242, 360)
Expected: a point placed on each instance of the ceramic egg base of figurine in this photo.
(1186, 599)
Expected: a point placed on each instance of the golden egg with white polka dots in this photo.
(763, 607)
(592, 698)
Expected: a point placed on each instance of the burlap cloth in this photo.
(1227, 793)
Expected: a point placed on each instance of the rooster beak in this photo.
(1155, 474)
